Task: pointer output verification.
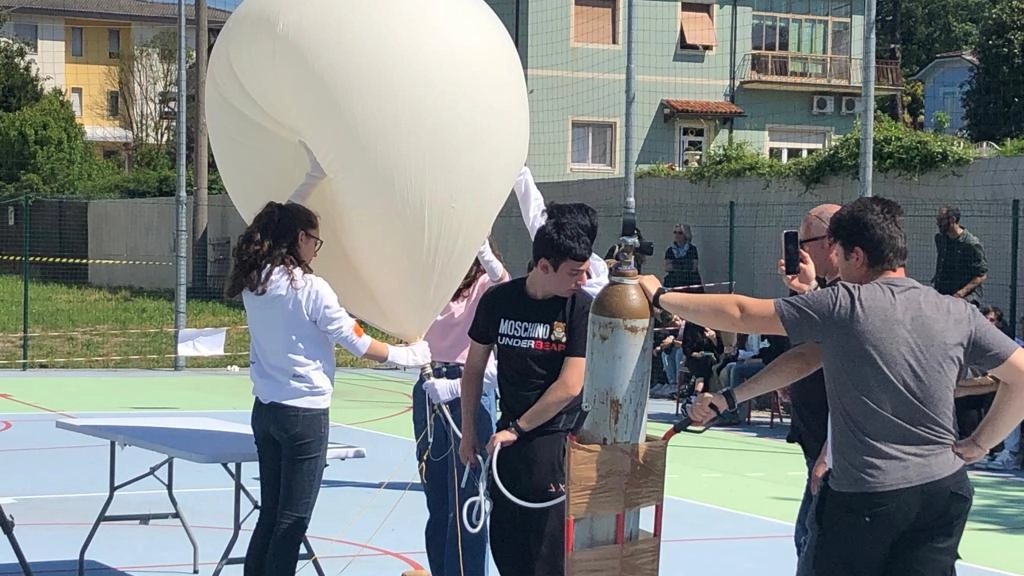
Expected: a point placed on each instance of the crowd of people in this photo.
(875, 364)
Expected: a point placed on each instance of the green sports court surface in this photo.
(732, 494)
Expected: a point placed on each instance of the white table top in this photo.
(200, 440)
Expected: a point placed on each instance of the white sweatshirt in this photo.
(531, 204)
(293, 330)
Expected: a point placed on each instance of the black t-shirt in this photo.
(809, 406)
(532, 338)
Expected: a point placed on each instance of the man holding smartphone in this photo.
(898, 495)
(808, 401)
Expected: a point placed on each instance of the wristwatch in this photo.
(516, 428)
(730, 398)
(656, 299)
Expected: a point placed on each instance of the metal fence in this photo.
(91, 284)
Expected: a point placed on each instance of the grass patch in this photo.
(75, 326)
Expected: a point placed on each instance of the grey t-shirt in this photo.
(892, 351)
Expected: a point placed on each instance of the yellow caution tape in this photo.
(61, 260)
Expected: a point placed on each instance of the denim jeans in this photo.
(451, 549)
(292, 446)
(807, 526)
(801, 527)
(670, 361)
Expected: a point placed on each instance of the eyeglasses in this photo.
(812, 239)
(319, 243)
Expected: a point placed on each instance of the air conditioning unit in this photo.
(822, 104)
(851, 105)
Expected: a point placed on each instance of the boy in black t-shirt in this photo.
(538, 326)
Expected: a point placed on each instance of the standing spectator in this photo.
(682, 263)
(960, 264)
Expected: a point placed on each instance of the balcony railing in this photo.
(815, 69)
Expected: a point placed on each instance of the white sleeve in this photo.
(491, 374)
(314, 176)
(494, 268)
(598, 276)
(531, 203)
(335, 321)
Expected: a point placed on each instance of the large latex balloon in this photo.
(407, 120)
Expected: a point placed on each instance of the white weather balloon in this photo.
(408, 120)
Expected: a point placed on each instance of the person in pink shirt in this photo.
(452, 550)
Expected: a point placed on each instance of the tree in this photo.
(44, 151)
(146, 76)
(915, 31)
(994, 101)
(20, 83)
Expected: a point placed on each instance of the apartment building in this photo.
(82, 46)
(783, 75)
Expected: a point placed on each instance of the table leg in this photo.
(235, 472)
(236, 520)
(7, 526)
(181, 517)
(143, 518)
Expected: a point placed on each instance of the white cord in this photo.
(477, 509)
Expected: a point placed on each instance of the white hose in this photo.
(477, 509)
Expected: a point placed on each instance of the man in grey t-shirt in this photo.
(892, 351)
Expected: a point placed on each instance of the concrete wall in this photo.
(144, 229)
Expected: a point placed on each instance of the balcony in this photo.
(810, 72)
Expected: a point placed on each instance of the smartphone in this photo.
(791, 251)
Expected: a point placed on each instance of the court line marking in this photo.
(680, 499)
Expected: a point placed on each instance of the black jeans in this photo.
(530, 541)
(912, 531)
(292, 447)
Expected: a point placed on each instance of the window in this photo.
(593, 144)
(113, 104)
(785, 144)
(951, 102)
(802, 26)
(595, 22)
(28, 34)
(77, 42)
(76, 102)
(114, 43)
(692, 145)
(697, 26)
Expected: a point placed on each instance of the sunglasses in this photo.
(812, 239)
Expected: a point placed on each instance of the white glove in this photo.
(442, 390)
(412, 356)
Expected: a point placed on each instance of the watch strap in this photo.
(515, 427)
(656, 299)
(730, 398)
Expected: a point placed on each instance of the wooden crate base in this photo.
(611, 480)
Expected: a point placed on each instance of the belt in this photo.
(567, 422)
(448, 370)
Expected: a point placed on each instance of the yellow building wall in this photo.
(95, 72)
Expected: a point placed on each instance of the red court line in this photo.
(377, 551)
(405, 410)
(178, 565)
(11, 398)
(406, 394)
(5, 425)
